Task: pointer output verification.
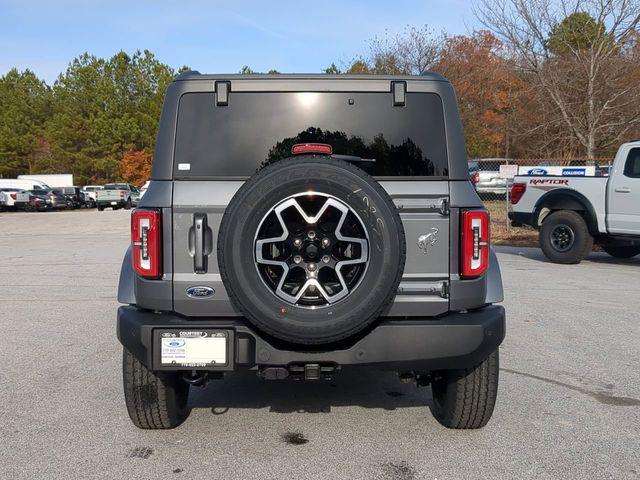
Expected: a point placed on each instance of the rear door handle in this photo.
(623, 190)
(199, 257)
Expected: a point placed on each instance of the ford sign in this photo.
(537, 171)
(200, 292)
(177, 343)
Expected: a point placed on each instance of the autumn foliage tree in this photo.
(486, 87)
(580, 55)
(135, 167)
(484, 79)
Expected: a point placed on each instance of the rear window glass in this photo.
(257, 129)
(116, 186)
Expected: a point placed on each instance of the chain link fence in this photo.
(493, 177)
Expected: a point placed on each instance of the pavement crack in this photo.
(601, 396)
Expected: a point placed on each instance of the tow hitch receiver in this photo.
(307, 371)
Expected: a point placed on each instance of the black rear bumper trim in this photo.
(457, 340)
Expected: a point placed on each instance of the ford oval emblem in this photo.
(177, 343)
(200, 292)
(538, 171)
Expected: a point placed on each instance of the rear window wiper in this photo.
(352, 158)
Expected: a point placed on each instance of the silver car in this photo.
(486, 176)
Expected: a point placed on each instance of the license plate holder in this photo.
(193, 349)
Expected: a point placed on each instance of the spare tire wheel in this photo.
(311, 250)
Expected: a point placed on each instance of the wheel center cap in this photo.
(311, 250)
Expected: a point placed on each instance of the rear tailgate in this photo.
(424, 211)
(21, 197)
(110, 195)
(398, 128)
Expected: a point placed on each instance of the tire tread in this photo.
(154, 399)
(466, 398)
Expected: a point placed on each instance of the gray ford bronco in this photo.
(300, 225)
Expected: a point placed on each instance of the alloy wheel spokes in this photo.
(320, 238)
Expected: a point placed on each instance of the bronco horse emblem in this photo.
(427, 240)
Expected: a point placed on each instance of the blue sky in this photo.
(211, 36)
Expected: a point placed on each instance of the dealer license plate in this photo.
(114, 203)
(193, 348)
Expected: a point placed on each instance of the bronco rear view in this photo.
(301, 225)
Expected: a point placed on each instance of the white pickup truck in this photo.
(117, 195)
(572, 213)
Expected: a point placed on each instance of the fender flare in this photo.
(495, 292)
(126, 284)
(567, 199)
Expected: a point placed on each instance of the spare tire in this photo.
(311, 250)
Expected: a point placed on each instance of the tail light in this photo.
(121, 194)
(474, 258)
(323, 148)
(13, 195)
(476, 178)
(517, 190)
(145, 240)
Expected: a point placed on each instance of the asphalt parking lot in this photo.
(568, 406)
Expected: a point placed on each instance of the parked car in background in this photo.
(118, 195)
(40, 199)
(486, 177)
(54, 198)
(23, 184)
(573, 213)
(91, 193)
(14, 198)
(54, 180)
(75, 197)
(473, 170)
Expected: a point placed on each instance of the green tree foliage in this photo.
(103, 108)
(25, 103)
(332, 70)
(578, 31)
(358, 66)
(247, 70)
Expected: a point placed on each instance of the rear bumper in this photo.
(457, 340)
(498, 190)
(111, 203)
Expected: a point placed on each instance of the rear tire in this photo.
(100, 208)
(622, 251)
(464, 399)
(155, 400)
(565, 237)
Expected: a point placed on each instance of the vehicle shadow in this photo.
(362, 387)
(534, 253)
